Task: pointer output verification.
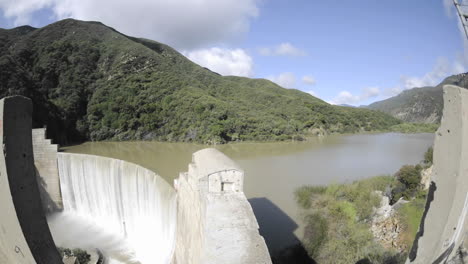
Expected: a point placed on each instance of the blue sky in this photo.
(353, 52)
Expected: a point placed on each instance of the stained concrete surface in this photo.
(45, 161)
(444, 226)
(24, 234)
(215, 227)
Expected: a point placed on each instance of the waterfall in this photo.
(124, 199)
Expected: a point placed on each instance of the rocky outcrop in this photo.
(426, 175)
(386, 226)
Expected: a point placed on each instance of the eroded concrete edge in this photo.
(445, 222)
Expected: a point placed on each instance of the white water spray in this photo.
(123, 199)
(72, 231)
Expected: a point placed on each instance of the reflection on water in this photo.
(274, 170)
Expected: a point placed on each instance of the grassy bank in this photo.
(337, 221)
(414, 128)
(338, 217)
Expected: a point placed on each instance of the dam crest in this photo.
(206, 218)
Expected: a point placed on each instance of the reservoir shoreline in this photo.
(273, 170)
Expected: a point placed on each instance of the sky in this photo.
(344, 52)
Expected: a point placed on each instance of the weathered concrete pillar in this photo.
(444, 224)
(45, 160)
(215, 222)
(24, 234)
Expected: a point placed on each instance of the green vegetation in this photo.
(410, 215)
(428, 156)
(337, 217)
(81, 255)
(337, 220)
(409, 178)
(89, 82)
(415, 128)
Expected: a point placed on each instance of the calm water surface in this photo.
(274, 170)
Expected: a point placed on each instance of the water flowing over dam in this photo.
(105, 203)
(122, 198)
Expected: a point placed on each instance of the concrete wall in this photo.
(215, 224)
(45, 160)
(444, 224)
(24, 233)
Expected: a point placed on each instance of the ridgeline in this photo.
(90, 82)
(420, 105)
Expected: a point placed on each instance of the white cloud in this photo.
(370, 92)
(285, 79)
(283, 49)
(307, 79)
(442, 69)
(223, 61)
(184, 24)
(346, 97)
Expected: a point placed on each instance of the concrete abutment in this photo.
(24, 234)
(443, 228)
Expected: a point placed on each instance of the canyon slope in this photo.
(419, 105)
(90, 82)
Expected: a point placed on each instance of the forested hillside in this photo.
(90, 82)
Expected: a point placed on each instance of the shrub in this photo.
(82, 256)
(428, 156)
(410, 176)
(343, 210)
(337, 229)
(398, 191)
(64, 251)
(315, 233)
(304, 194)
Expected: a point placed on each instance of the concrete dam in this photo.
(133, 216)
(129, 213)
(124, 199)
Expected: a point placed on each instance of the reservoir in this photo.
(274, 170)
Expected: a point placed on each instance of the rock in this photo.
(426, 176)
(385, 225)
(399, 203)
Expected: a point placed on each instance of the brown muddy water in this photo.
(274, 170)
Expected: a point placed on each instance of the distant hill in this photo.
(419, 105)
(90, 82)
(347, 105)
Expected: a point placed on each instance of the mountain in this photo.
(347, 105)
(90, 82)
(419, 105)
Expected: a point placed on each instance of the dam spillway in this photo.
(205, 219)
(122, 198)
